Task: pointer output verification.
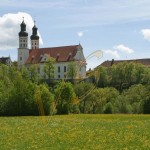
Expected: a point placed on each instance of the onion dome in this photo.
(23, 30)
(34, 35)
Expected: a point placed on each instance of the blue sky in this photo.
(120, 28)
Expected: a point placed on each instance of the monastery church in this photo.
(39, 56)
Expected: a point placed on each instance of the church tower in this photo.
(23, 51)
(34, 38)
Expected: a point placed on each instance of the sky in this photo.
(120, 29)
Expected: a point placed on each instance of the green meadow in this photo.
(75, 132)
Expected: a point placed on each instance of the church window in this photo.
(20, 58)
(65, 69)
(58, 68)
(59, 76)
(24, 45)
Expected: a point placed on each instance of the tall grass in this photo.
(74, 132)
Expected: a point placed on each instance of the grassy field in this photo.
(74, 132)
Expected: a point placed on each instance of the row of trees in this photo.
(21, 93)
(122, 75)
(135, 100)
(122, 88)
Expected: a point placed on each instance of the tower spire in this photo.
(34, 22)
(34, 37)
(23, 32)
(23, 51)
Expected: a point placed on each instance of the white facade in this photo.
(23, 51)
(60, 69)
(23, 54)
(34, 44)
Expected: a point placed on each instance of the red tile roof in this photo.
(61, 54)
(145, 62)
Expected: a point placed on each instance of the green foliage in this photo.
(122, 88)
(146, 106)
(123, 75)
(108, 108)
(44, 99)
(49, 69)
(33, 73)
(64, 96)
(83, 91)
(72, 70)
(102, 77)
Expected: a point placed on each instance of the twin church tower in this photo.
(23, 50)
(39, 56)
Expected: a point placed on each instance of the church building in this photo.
(39, 56)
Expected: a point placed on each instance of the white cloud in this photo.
(112, 52)
(115, 51)
(146, 33)
(80, 34)
(84, 12)
(123, 49)
(10, 27)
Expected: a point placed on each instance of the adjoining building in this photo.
(145, 62)
(6, 61)
(39, 56)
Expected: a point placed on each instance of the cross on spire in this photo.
(34, 22)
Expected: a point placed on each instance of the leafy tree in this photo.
(33, 73)
(108, 108)
(130, 101)
(102, 77)
(21, 98)
(83, 91)
(49, 69)
(72, 71)
(25, 73)
(64, 96)
(146, 106)
(44, 99)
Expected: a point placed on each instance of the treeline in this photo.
(122, 88)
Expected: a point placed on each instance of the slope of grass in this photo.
(74, 132)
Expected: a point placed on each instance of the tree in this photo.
(25, 73)
(72, 71)
(108, 108)
(44, 99)
(49, 69)
(83, 91)
(102, 77)
(64, 97)
(146, 106)
(131, 100)
(33, 73)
